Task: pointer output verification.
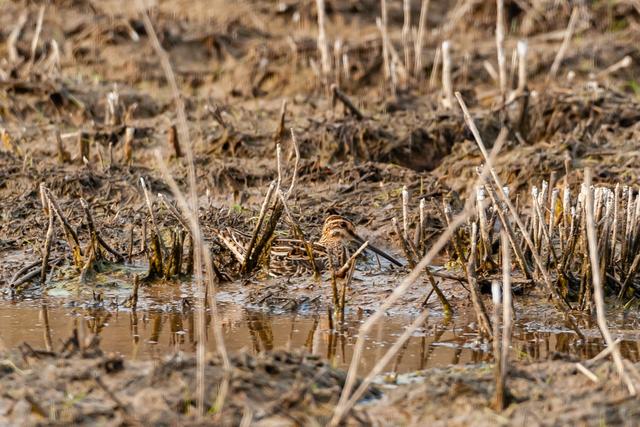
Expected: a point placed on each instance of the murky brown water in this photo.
(154, 333)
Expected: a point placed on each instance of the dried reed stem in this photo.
(568, 34)
(69, 232)
(13, 37)
(279, 134)
(502, 370)
(343, 407)
(433, 77)
(46, 251)
(502, 63)
(256, 230)
(385, 40)
(323, 47)
(484, 324)
(36, 38)
(522, 49)
(447, 85)
(352, 259)
(344, 99)
(406, 33)
(424, 10)
(405, 213)
(559, 301)
(173, 141)
(598, 292)
(191, 212)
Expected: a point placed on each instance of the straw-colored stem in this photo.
(568, 34)
(598, 293)
(502, 63)
(323, 47)
(422, 25)
(447, 85)
(559, 301)
(406, 33)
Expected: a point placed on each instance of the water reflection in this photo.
(155, 333)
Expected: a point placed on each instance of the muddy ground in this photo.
(235, 63)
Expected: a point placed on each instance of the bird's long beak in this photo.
(372, 248)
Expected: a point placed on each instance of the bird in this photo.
(289, 257)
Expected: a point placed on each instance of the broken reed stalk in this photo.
(406, 33)
(127, 146)
(484, 324)
(266, 237)
(173, 142)
(497, 343)
(300, 235)
(447, 85)
(296, 165)
(279, 133)
(337, 59)
(405, 213)
(522, 49)
(69, 232)
(433, 77)
(598, 292)
(344, 99)
(502, 63)
(190, 210)
(406, 248)
(13, 37)
(344, 404)
(623, 63)
(62, 154)
(386, 63)
(83, 148)
(446, 307)
(133, 299)
(36, 38)
(173, 211)
(506, 225)
(485, 247)
(420, 244)
(422, 25)
(95, 236)
(256, 230)
(152, 215)
(323, 48)
(46, 251)
(559, 301)
(352, 259)
(568, 34)
(507, 322)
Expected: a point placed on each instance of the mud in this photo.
(235, 64)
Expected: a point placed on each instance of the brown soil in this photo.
(235, 62)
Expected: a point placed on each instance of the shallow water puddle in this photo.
(153, 333)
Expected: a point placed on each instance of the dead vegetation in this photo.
(451, 145)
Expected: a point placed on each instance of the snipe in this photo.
(288, 257)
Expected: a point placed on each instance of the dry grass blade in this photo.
(190, 211)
